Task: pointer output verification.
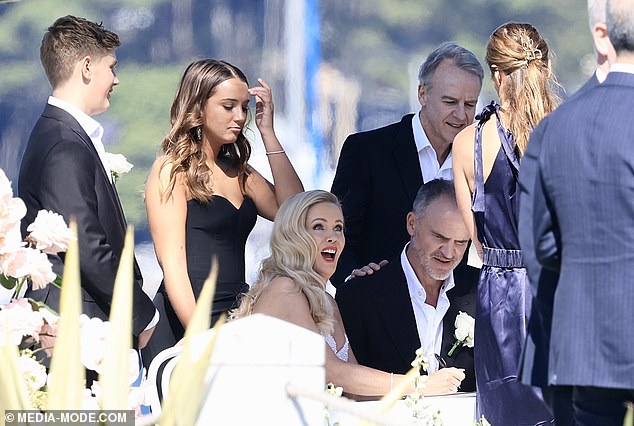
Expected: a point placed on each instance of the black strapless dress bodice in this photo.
(218, 229)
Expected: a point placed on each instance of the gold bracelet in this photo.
(281, 151)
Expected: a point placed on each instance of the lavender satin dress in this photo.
(504, 298)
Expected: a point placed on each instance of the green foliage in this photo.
(140, 105)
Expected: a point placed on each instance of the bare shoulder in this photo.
(463, 142)
(282, 286)
(282, 298)
(162, 168)
(159, 177)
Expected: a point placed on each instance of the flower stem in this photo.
(18, 287)
(455, 346)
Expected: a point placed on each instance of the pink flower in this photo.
(21, 320)
(12, 210)
(28, 262)
(50, 232)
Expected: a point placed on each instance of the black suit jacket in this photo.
(379, 320)
(61, 172)
(378, 176)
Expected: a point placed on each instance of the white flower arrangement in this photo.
(118, 165)
(422, 410)
(336, 391)
(22, 260)
(28, 327)
(465, 329)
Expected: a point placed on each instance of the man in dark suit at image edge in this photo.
(583, 230)
(380, 171)
(534, 364)
(63, 168)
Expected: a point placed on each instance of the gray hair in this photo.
(620, 23)
(596, 12)
(430, 192)
(461, 57)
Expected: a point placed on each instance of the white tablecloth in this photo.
(455, 410)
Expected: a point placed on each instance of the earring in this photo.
(198, 133)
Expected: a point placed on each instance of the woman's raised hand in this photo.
(263, 106)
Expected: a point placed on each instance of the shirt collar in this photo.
(93, 129)
(600, 75)
(414, 285)
(420, 138)
(620, 67)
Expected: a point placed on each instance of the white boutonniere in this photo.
(118, 164)
(465, 325)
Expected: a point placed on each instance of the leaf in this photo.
(57, 282)
(67, 376)
(116, 365)
(8, 282)
(629, 415)
(13, 392)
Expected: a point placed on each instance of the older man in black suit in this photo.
(380, 171)
(63, 168)
(413, 301)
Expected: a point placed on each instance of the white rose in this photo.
(93, 338)
(50, 232)
(118, 163)
(465, 325)
(32, 372)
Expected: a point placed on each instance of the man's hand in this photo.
(369, 269)
(444, 381)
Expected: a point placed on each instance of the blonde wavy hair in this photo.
(529, 91)
(293, 255)
(181, 146)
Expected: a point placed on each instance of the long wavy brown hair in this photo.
(182, 148)
(529, 91)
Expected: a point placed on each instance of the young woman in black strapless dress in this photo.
(203, 198)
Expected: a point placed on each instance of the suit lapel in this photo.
(395, 310)
(406, 158)
(59, 114)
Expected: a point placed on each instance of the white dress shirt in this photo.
(428, 319)
(427, 155)
(93, 129)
